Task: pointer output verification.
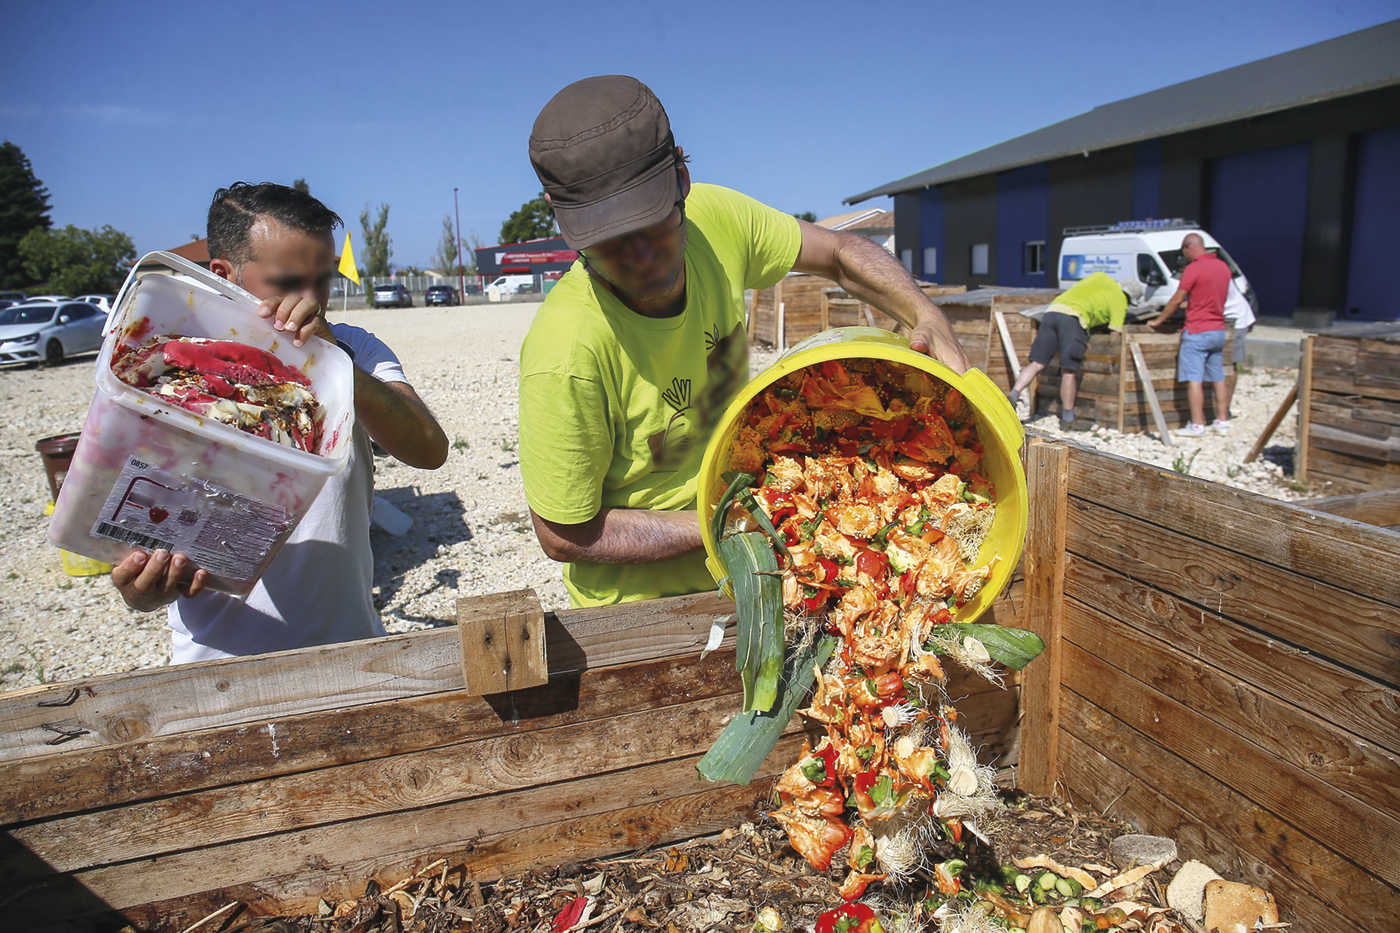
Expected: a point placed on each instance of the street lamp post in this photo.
(461, 272)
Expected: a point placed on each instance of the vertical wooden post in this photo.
(753, 314)
(1122, 376)
(502, 639)
(1047, 469)
(777, 321)
(1300, 455)
(826, 310)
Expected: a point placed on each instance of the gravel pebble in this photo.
(471, 532)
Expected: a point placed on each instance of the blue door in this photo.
(1375, 228)
(1258, 212)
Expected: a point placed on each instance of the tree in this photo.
(24, 205)
(807, 216)
(73, 261)
(379, 246)
(533, 221)
(301, 185)
(445, 258)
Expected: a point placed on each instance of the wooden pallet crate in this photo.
(978, 318)
(1112, 394)
(1220, 668)
(1349, 420)
(282, 779)
(799, 306)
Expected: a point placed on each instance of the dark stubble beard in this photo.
(662, 293)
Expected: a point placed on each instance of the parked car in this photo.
(510, 284)
(102, 301)
(14, 297)
(441, 295)
(390, 295)
(49, 331)
(471, 288)
(48, 298)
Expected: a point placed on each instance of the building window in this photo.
(930, 260)
(906, 256)
(980, 255)
(1033, 257)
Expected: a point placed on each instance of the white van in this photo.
(1147, 250)
(510, 284)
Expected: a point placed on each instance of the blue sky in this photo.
(133, 113)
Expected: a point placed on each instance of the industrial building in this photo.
(546, 259)
(1291, 162)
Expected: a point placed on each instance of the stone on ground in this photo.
(1140, 849)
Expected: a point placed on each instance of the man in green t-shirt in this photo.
(640, 347)
(1098, 300)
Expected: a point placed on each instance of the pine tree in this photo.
(301, 185)
(24, 206)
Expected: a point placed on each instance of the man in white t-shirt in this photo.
(276, 242)
(1239, 314)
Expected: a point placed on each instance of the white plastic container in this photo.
(150, 475)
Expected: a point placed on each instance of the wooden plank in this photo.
(124, 707)
(369, 788)
(161, 766)
(1305, 374)
(753, 314)
(1354, 703)
(1047, 465)
(1221, 828)
(1354, 630)
(1273, 424)
(826, 311)
(399, 837)
(1307, 543)
(1163, 433)
(1012, 362)
(1369, 775)
(1381, 507)
(1122, 382)
(1357, 832)
(502, 641)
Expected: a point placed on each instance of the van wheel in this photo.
(53, 353)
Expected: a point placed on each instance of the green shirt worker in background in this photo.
(640, 347)
(1098, 300)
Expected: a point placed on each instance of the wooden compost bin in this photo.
(281, 779)
(978, 318)
(1111, 392)
(1350, 414)
(800, 305)
(1222, 668)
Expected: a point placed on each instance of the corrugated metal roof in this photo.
(1350, 64)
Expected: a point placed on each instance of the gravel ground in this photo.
(471, 531)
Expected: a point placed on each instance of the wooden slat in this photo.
(1318, 546)
(1366, 773)
(1226, 834)
(1336, 623)
(370, 788)
(123, 707)
(1305, 386)
(1273, 424)
(1354, 703)
(1164, 435)
(1354, 831)
(403, 838)
(1381, 507)
(1046, 469)
(160, 766)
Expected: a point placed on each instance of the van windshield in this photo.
(1176, 263)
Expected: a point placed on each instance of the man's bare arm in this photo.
(621, 536)
(871, 274)
(1169, 310)
(399, 421)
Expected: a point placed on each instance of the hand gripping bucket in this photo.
(997, 426)
(150, 475)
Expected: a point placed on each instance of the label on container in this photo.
(224, 532)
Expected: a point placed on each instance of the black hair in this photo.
(238, 206)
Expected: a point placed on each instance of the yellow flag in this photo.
(347, 262)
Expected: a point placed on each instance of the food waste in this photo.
(233, 383)
(866, 477)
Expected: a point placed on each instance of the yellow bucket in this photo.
(997, 426)
(76, 565)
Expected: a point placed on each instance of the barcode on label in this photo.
(117, 533)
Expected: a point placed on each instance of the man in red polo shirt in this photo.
(1204, 287)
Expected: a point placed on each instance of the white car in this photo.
(49, 298)
(102, 301)
(49, 331)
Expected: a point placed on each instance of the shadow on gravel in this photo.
(437, 522)
(1282, 456)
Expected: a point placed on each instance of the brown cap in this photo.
(603, 150)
